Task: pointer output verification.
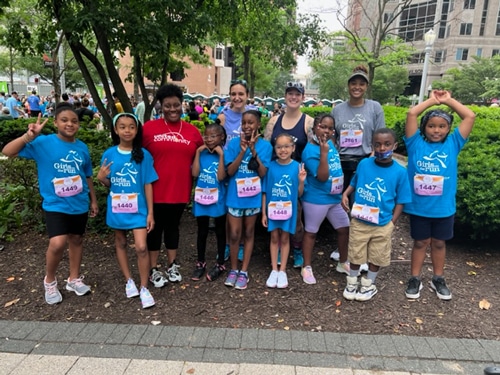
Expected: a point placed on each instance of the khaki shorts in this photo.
(370, 243)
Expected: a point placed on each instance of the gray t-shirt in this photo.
(354, 127)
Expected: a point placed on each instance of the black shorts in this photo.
(59, 224)
(440, 228)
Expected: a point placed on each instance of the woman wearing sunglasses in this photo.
(298, 125)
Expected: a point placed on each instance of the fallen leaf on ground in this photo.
(419, 321)
(472, 273)
(286, 328)
(13, 302)
(190, 371)
(281, 320)
(9, 279)
(475, 265)
(484, 304)
(155, 322)
(338, 303)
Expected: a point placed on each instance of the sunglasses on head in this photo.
(297, 85)
(239, 82)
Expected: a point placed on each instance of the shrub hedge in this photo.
(478, 210)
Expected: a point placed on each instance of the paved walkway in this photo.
(98, 348)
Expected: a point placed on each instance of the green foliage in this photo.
(388, 83)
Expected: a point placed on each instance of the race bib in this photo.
(124, 203)
(365, 213)
(248, 187)
(337, 185)
(351, 138)
(206, 196)
(279, 210)
(68, 186)
(426, 184)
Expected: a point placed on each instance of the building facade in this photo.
(464, 28)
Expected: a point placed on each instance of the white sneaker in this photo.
(173, 274)
(351, 288)
(363, 267)
(343, 268)
(367, 290)
(272, 280)
(157, 279)
(335, 255)
(147, 299)
(131, 289)
(282, 280)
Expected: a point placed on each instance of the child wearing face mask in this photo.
(380, 188)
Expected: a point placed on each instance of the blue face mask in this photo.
(383, 155)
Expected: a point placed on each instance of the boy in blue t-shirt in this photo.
(381, 188)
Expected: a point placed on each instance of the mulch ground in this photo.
(471, 272)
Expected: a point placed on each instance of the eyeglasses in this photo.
(297, 85)
(210, 137)
(283, 147)
(238, 82)
(325, 127)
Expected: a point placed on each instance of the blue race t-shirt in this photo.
(246, 182)
(378, 189)
(63, 168)
(210, 193)
(315, 191)
(281, 185)
(432, 173)
(127, 205)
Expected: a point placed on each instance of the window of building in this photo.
(415, 20)
(479, 52)
(466, 29)
(495, 52)
(440, 56)
(388, 17)
(462, 54)
(469, 4)
(484, 15)
(219, 53)
(497, 32)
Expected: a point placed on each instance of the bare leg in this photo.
(75, 255)
(418, 256)
(438, 256)
(343, 242)
(235, 230)
(307, 247)
(53, 256)
(274, 249)
(249, 224)
(285, 248)
(142, 253)
(121, 252)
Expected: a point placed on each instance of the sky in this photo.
(326, 11)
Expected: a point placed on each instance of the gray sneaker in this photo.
(77, 286)
(52, 293)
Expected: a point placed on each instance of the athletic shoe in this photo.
(367, 290)
(351, 288)
(227, 253)
(215, 272)
(157, 279)
(272, 280)
(282, 280)
(298, 259)
(241, 252)
(242, 281)
(231, 278)
(52, 293)
(363, 268)
(414, 287)
(307, 275)
(199, 271)
(147, 299)
(439, 286)
(130, 289)
(343, 268)
(173, 273)
(335, 255)
(77, 286)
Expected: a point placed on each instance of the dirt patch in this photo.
(471, 272)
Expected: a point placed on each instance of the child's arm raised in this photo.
(467, 116)
(12, 148)
(302, 178)
(235, 164)
(412, 115)
(323, 168)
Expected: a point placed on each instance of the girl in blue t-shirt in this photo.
(210, 198)
(323, 194)
(283, 185)
(127, 169)
(247, 159)
(432, 172)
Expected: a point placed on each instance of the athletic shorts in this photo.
(440, 228)
(240, 212)
(314, 214)
(370, 243)
(59, 224)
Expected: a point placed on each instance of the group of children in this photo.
(235, 184)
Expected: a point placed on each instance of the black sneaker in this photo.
(198, 271)
(439, 286)
(414, 287)
(215, 272)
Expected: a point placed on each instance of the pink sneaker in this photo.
(307, 275)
